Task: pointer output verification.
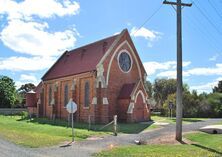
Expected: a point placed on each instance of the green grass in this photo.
(220, 123)
(39, 132)
(206, 145)
(127, 128)
(173, 120)
(38, 135)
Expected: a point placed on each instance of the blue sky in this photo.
(34, 33)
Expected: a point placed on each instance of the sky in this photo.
(34, 33)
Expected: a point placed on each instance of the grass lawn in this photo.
(40, 132)
(37, 135)
(128, 128)
(220, 123)
(206, 145)
(173, 120)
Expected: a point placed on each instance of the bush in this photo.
(24, 115)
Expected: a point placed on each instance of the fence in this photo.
(110, 126)
(11, 111)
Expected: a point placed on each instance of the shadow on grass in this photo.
(208, 149)
(128, 128)
(66, 145)
(189, 120)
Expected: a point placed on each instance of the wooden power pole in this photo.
(179, 105)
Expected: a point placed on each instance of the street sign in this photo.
(170, 105)
(71, 107)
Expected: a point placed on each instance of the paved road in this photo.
(88, 147)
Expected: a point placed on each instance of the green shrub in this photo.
(24, 114)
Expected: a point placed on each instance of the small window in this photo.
(86, 98)
(50, 95)
(66, 94)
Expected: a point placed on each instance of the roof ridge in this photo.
(92, 43)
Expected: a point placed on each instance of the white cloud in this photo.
(23, 32)
(217, 70)
(214, 58)
(26, 64)
(206, 87)
(149, 35)
(33, 39)
(41, 8)
(171, 74)
(25, 77)
(152, 67)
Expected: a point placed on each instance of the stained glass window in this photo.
(86, 98)
(66, 94)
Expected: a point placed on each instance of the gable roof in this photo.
(126, 91)
(80, 60)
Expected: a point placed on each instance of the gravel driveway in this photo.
(88, 147)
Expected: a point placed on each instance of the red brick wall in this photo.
(78, 97)
(117, 78)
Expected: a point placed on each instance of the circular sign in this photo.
(71, 107)
(170, 105)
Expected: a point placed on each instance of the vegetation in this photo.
(162, 119)
(194, 104)
(7, 92)
(30, 134)
(26, 88)
(218, 88)
(202, 147)
(128, 128)
(39, 132)
(21, 93)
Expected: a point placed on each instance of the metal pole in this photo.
(72, 129)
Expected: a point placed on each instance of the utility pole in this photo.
(179, 105)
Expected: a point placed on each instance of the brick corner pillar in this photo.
(130, 118)
(93, 111)
(104, 110)
(145, 113)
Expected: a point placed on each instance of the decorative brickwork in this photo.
(116, 85)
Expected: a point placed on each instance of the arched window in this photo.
(86, 96)
(50, 95)
(66, 94)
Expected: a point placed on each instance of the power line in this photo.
(204, 15)
(215, 9)
(203, 33)
(148, 19)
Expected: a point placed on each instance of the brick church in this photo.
(104, 78)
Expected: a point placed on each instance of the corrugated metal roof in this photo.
(80, 60)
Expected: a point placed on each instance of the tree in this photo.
(215, 101)
(149, 88)
(218, 88)
(7, 92)
(162, 88)
(26, 88)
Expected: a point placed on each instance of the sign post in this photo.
(171, 109)
(71, 107)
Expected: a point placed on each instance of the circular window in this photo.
(125, 61)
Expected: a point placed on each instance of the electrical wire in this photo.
(215, 9)
(148, 19)
(206, 17)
